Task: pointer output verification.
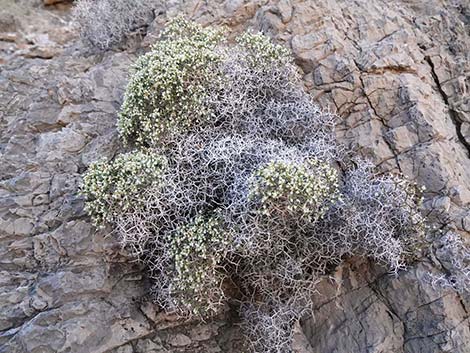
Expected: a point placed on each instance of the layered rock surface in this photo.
(397, 74)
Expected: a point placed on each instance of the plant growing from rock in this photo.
(106, 23)
(240, 185)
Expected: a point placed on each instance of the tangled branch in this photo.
(105, 23)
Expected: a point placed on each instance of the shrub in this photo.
(271, 329)
(239, 104)
(106, 23)
(245, 189)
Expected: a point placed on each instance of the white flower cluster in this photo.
(170, 87)
(261, 52)
(286, 189)
(197, 250)
(113, 187)
(242, 190)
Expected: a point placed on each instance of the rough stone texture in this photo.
(397, 73)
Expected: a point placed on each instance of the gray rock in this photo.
(179, 340)
(396, 73)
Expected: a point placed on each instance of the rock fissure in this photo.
(452, 113)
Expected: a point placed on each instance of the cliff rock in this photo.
(396, 72)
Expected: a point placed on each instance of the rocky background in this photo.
(397, 72)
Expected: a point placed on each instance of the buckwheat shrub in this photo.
(261, 52)
(243, 195)
(271, 329)
(381, 216)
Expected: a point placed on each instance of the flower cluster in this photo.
(197, 250)
(113, 187)
(285, 188)
(180, 28)
(169, 91)
(261, 52)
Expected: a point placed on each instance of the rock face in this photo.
(396, 72)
